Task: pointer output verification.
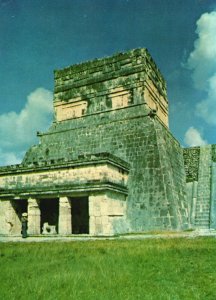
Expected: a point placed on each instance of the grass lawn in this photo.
(117, 269)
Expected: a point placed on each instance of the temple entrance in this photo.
(49, 215)
(19, 206)
(14, 221)
(80, 215)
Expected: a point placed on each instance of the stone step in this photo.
(206, 225)
(205, 214)
(201, 227)
(202, 222)
(201, 217)
(202, 211)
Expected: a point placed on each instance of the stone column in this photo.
(107, 211)
(213, 198)
(97, 213)
(194, 201)
(65, 218)
(34, 217)
(9, 221)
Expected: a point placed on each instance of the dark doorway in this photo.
(80, 215)
(20, 206)
(49, 212)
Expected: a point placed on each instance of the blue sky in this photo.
(38, 36)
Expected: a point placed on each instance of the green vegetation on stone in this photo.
(148, 269)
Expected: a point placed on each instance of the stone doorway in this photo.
(18, 207)
(49, 209)
(80, 215)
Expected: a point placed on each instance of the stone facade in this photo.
(201, 183)
(108, 164)
(55, 194)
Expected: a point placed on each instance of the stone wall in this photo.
(200, 185)
(174, 209)
(191, 161)
(119, 105)
(131, 134)
(100, 178)
(107, 84)
(83, 174)
(61, 177)
(107, 214)
(10, 220)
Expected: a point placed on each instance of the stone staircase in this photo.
(202, 213)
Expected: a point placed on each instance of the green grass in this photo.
(146, 269)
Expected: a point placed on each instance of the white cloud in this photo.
(193, 138)
(9, 158)
(202, 62)
(18, 130)
(207, 108)
(203, 58)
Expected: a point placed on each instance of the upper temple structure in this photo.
(109, 164)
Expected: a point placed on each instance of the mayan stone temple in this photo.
(109, 164)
